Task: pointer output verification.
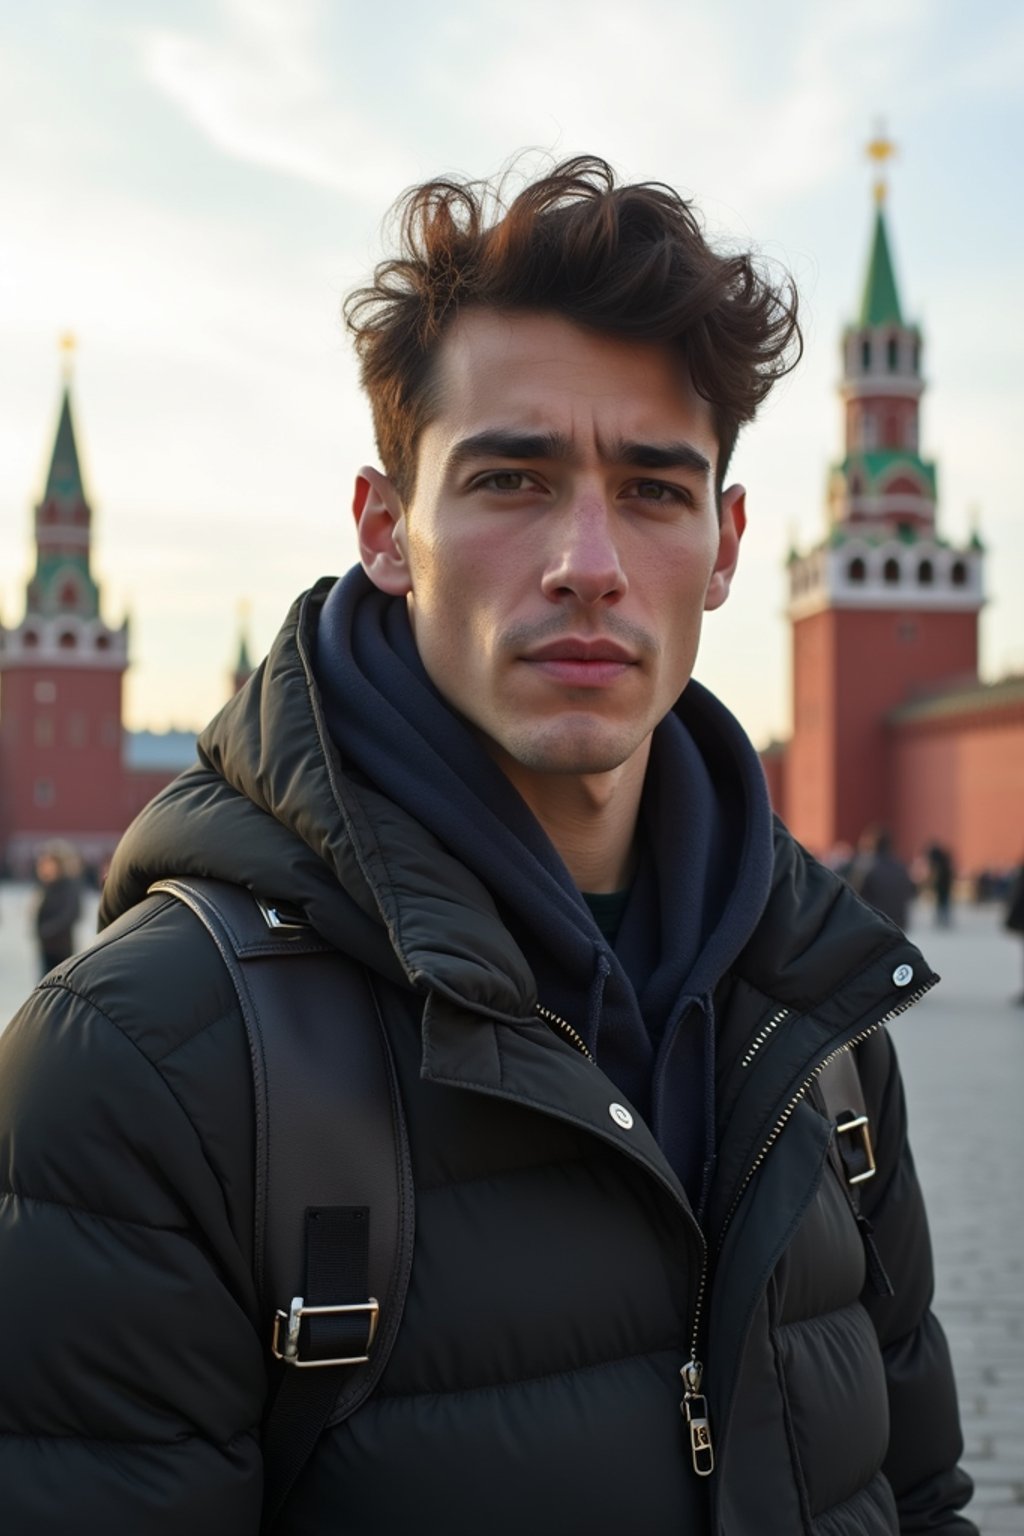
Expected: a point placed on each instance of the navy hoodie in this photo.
(644, 1007)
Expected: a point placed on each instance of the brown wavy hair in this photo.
(629, 261)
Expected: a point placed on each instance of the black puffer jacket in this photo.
(559, 1282)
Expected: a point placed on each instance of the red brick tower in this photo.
(61, 668)
(883, 609)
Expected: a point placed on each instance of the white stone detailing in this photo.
(921, 576)
(36, 642)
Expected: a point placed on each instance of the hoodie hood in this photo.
(705, 835)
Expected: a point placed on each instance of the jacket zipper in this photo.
(773, 1023)
(694, 1404)
(565, 1028)
(784, 1118)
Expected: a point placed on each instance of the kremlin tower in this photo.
(243, 667)
(883, 610)
(61, 671)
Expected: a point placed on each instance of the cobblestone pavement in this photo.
(962, 1050)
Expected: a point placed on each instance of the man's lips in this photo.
(581, 662)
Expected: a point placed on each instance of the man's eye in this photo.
(504, 480)
(657, 490)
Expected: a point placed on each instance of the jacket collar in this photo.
(271, 806)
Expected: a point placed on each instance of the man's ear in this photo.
(380, 531)
(731, 524)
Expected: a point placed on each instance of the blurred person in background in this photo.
(941, 871)
(881, 878)
(59, 905)
(1015, 915)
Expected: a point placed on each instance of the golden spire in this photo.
(67, 343)
(879, 150)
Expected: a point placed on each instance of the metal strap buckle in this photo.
(293, 1318)
(277, 915)
(858, 1123)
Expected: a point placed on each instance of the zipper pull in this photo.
(694, 1407)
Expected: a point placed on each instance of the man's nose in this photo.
(584, 560)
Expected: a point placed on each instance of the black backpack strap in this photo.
(333, 1204)
(851, 1151)
(843, 1096)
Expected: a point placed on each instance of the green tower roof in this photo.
(243, 666)
(881, 302)
(64, 481)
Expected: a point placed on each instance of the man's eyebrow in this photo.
(499, 443)
(502, 443)
(680, 455)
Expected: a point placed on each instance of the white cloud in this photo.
(261, 93)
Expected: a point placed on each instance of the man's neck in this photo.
(590, 818)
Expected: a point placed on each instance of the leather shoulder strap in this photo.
(840, 1086)
(330, 1144)
(840, 1092)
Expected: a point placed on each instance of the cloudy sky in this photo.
(192, 187)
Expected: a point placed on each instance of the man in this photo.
(881, 878)
(478, 767)
(59, 906)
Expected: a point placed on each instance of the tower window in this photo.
(892, 355)
(68, 640)
(958, 573)
(891, 572)
(102, 643)
(45, 692)
(926, 573)
(44, 730)
(865, 354)
(856, 570)
(69, 594)
(30, 639)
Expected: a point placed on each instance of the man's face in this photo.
(562, 543)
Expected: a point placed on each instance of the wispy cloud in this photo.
(667, 88)
(261, 93)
